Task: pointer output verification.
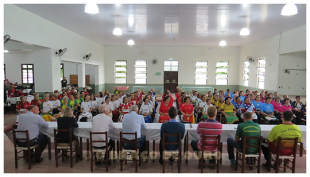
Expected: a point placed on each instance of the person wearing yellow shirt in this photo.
(228, 112)
(219, 103)
(215, 99)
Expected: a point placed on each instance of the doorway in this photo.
(170, 81)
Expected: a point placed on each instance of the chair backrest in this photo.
(22, 139)
(209, 137)
(122, 141)
(282, 145)
(258, 146)
(99, 141)
(178, 143)
(59, 138)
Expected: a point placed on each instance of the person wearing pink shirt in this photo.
(277, 106)
(287, 107)
(271, 96)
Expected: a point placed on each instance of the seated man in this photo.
(102, 123)
(247, 128)
(284, 130)
(208, 127)
(171, 127)
(32, 122)
(133, 122)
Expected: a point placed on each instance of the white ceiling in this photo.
(175, 24)
(14, 46)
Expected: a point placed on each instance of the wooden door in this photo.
(87, 80)
(74, 79)
(170, 81)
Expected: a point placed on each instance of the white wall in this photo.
(90, 70)
(13, 65)
(25, 26)
(187, 56)
(295, 82)
(70, 68)
(289, 41)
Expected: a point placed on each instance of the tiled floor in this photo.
(83, 166)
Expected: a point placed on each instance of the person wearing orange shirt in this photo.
(124, 109)
(188, 111)
(22, 107)
(163, 110)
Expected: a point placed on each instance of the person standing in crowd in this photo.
(64, 82)
(32, 122)
(163, 110)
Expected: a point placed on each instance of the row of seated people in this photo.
(135, 123)
(231, 109)
(86, 106)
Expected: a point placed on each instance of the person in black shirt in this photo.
(68, 122)
(64, 82)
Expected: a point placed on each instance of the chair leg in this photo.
(121, 164)
(217, 166)
(201, 164)
(29, 159)
(153, 150)
(91, 162)
(237, 161)
(136, 160)
(49, 149)
(242, 163)
(71, 158)
(106, 160)
(269, 162)
(277, 164)
(258, 165)
(87, 147)
(285, 162)
(301, 149)
(16, 160)
(179, 164)
(221, 152)
(62, 155)
(56, 157)
(293, 165)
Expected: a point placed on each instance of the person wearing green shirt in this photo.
(286, 130)
(65, 103)
(82, 93)
(73, 103)
(116, 91)
(247, 128)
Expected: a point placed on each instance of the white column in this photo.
(96, 75)
(81, 74)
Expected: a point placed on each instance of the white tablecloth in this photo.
(153, 131)
(13, 100)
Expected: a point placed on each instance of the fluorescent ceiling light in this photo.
(131, 42)
(91, 8)
(223, 43)
(117, 31)
(5, 51)
(289, 9)
(244, 32)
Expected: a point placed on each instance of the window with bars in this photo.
(140, 72)
(120, 71)
(171, 65)
(62, 74)
(261, 72)
(27, 74)
(201, 73)
(221, 73)
(4, 72)
(246, 71)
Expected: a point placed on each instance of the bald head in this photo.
(103, 109)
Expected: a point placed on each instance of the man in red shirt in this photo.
(208, 127)
(124, 108)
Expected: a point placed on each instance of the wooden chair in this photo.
(96, 152)
(71, 146)
(129, 151)
(243, 156)
(286, 158)
(26, 150)
(206, 155)
(301, 148)
(170, 153)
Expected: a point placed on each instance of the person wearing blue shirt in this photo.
(257, 103)
(241, 95)
(171, 127)
(266, 109)
(233, 101)
(228, 92)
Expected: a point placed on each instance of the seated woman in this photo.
(65, 104)
(86, 109)
(200, 108)
(234, 99)
(115, 109)
(106, 94)
(215, 99)
(257, 105)
(146, 110)
(68, 122)
(36, 101)
(241, 95)
(110, 106)
(267, 112)
(205, 108)
(74, 104)
(228, 112)
(133, 101)
(287, 107)
(210, 95)
(22, 107)
(262, 97)
(277, 106)
(63, 95)
(297, 109)
(270, 96)
(99, 98)
(247, 106)
(124, 109)
(94, 104)
(253, 98)
(219, 103)
(81, 97)
(46, 106)
(188, 111)
(163, 110)
(116, 91)
(237, 105)
(85, 91)
(55, 104)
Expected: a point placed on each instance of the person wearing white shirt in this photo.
(114, 108)
(94, 104)
(102, 123)
(46, 106)
(120, 99)
(99, 98)
(86, 109)
(199, 107)
(205, 108)
(146, 110)
(194, 97)
(55, 104)
(109, 105)
(133, 122)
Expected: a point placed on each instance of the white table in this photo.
(13, 100)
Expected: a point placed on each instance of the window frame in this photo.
(244, 61)
(27, 73)
(171, 65)
(258, 71)
(206, 72)
(227, 71)
(119, 67)
(140, 67)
